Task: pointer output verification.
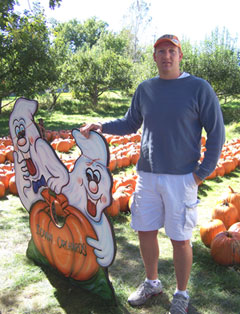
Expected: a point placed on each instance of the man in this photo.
(172, 109)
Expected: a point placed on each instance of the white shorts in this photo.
(165, 200)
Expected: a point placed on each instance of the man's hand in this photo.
(89, 127)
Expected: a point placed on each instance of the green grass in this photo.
(28, 288)
(70, 113)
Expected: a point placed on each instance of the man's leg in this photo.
(182, 257)
(150, 252)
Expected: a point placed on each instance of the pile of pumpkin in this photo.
(7, 173)
(222, 233)
(124, 151)
(229, 159)
(122, 190)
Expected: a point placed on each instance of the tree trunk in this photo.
(94, 98)
(0, 105)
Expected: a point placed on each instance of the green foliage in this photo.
(219, 63)
(54, 3)
(144, 69)
(25, 65)
(96, 70)
(7, 7)
(215, 60)
(231, 111)
(119, 44)
(190, 62)
(75, 34)
(88, 59)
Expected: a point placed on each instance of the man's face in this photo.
(167, 57)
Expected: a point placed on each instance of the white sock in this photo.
(154, 282)
(182, 292)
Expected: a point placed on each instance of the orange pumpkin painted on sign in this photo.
(63, 243)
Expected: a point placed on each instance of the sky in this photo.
(188, 19)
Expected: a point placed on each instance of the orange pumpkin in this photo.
(4, 179)
(9, 153)
(8, 166)
(63, 145)
(48, 135)
(210, 229)
(113, 163)
(55, 135)
(108, 137)
(64, 245)
(235, 227)
(123, 194)
(114, 209)
(12, 185)
(212, 175)
(6, 141)
(225, 248)
(55, 142)
(234, 198)
(116, 140)
(133, 156)
(119, 161)
(228, 165)
(64, 134)
(126, 181)
(226, 212)
(135, 137)
(2, 156)
(203, 140)
(220, 170)
(2, 189)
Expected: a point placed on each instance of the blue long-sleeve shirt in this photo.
(172, 114)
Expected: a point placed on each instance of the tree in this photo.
(191, 59)
(219, 63)
(144, 69)
(26, 66)
(77, 35)
(94, 71)
(137, 21)
(7, 7)
(215, 60)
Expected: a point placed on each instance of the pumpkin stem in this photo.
(232, 191)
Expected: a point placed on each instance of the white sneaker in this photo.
(179, 304)
(144, 292)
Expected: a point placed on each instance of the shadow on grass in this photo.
(210, 185)
(74, 299)
(213, 286)
(106, 107)
(4, 118)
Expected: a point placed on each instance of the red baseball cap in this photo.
(171, 38)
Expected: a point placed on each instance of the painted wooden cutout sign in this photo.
(70, 230)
